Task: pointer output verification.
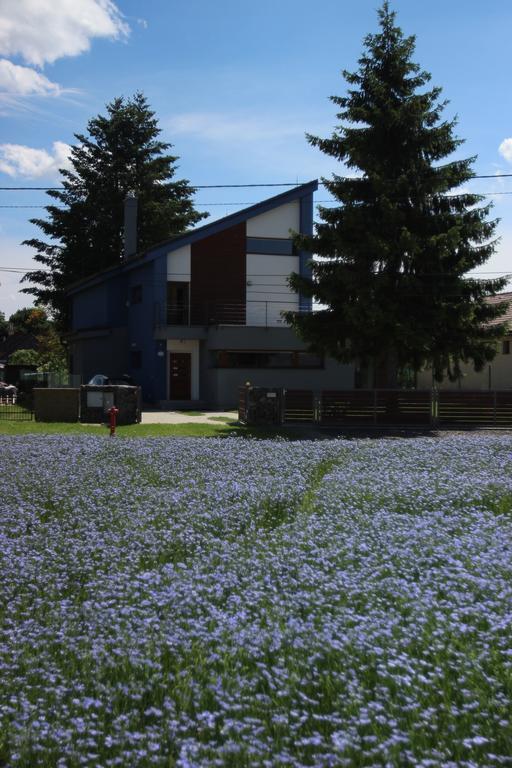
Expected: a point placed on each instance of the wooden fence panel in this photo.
(377, 408)
(347, 407)
(474, 409)
(503, 409)
(299, 406)
(404, 407)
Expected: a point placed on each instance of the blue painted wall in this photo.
(90, 308)
(142, 320)
(158, 347)
(140, 326)
(102, 305)
(269, 245)
(117, 300)
(306, 228)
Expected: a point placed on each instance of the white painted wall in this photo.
(275, 223)
(192, 347)
(498, 373)
(268, 293)
(178, 265)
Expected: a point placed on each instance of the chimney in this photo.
(130, 226)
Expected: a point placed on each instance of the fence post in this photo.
(495, 404)
(375, 406)
(317, 407)
(282, 408)
(434, 406)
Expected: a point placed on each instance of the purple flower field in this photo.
(229, 602)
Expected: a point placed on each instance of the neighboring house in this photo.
(8, 346)
(496, 374)
(194, 318)
(15, 341)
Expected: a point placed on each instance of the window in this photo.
(177, 303)
(505, 347)
(224, 358)
(136, 358)
(136, 294)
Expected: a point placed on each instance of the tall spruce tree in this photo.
(121, 153)
(394, 254)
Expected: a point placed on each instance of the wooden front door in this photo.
(180, 369)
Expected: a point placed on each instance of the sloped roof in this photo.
(199, 233)
(498, 299)
(211, 228)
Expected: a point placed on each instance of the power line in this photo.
(254, 202)
(255, 185)
(196, 186)
(24, 270)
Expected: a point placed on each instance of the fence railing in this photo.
(251, 312)
(377, 407)
(16, 407)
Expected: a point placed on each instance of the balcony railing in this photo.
(255, 313)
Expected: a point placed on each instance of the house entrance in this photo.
(180, 373)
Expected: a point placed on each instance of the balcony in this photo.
(264, 314)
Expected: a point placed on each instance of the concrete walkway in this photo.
(182, 417)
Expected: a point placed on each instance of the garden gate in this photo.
(16, 407)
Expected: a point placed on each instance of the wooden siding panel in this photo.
(218, 278)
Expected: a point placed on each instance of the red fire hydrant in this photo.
(112, 412)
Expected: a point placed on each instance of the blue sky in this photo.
(235, 85)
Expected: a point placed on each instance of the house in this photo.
(195, 317)
(13, 342)
(8, 346)
(495, 375)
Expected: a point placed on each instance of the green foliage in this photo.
(395, 252)
(29, 320)
(120, 154)
(52, 352)
(24, 357)
(4, 326)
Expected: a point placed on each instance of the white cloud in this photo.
(220, 127)
(20, 256)
(42, 31)
(505, 149)
(18, 160)
(24, 81)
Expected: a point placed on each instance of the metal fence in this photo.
(377, 408)
(253, 312)
(16, 407)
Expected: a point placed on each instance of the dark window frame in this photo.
(233, 359)
(178, 313)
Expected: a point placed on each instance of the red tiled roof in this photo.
(498, 299)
